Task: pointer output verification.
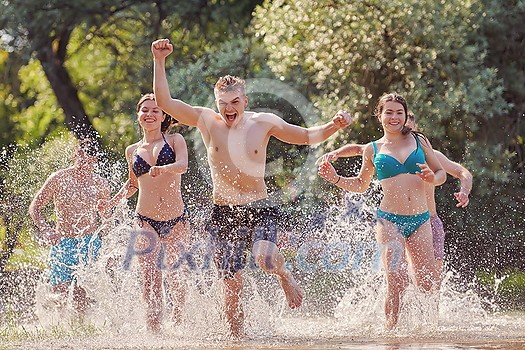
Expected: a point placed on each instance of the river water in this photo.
(337, 266)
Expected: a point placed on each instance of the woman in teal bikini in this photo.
(403, 161)
(156, 164)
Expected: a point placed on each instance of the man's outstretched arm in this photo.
(298, 135)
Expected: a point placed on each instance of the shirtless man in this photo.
(74, 192)
(452, 168)
(236, 141)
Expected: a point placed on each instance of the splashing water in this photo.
(337, 264)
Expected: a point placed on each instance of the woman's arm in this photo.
(180, 166)
(461, 173)
(350, 150)
(432, 171)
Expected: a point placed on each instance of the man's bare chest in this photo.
(73, 193)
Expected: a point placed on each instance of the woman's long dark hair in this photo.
(168, 121)
(395, 97)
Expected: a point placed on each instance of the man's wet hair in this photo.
(230, 83)
(89, 146)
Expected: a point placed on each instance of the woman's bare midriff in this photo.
(160, 198)
(404, 194)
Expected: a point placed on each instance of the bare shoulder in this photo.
(59, 178)
(55, 178)
(423, 140)
(368, 147)
(440, 155)
(206, 112)
(444, 160)
(131, 148)
(176, 141)
(270, 120)
(208, 115)
(263, 116)
(175, 137)
(368, 150)
(60, 174)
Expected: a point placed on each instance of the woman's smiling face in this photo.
(150, 116)
(393, 116)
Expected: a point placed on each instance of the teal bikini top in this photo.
(388, 166)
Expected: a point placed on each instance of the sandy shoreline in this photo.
(471, 341)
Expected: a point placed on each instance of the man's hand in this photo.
(342, 119)
(161, 48)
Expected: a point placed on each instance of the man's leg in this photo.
(229, 259)
(233, 306)
(80, 299)
(89, 250)
(268, 258)
(64, 262)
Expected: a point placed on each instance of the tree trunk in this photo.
(66, 93)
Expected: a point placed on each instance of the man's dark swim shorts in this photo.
(233, 230)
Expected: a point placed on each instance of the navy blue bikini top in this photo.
(388, 166)
(166, 156)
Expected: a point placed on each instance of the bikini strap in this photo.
(375, 148)
(417, 140)
(138, 146)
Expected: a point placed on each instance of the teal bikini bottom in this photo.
(406, 224)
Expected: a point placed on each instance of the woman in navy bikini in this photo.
(156, 164)
(403, 161)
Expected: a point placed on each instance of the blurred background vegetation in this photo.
(78, 68)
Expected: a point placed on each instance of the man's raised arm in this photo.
(183, 112)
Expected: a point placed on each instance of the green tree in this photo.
(9, 105)
(447, 58)
(17, 191)
(45, 28)
(95, 54)
(503, 34)
(352, 52)
(101, 49)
